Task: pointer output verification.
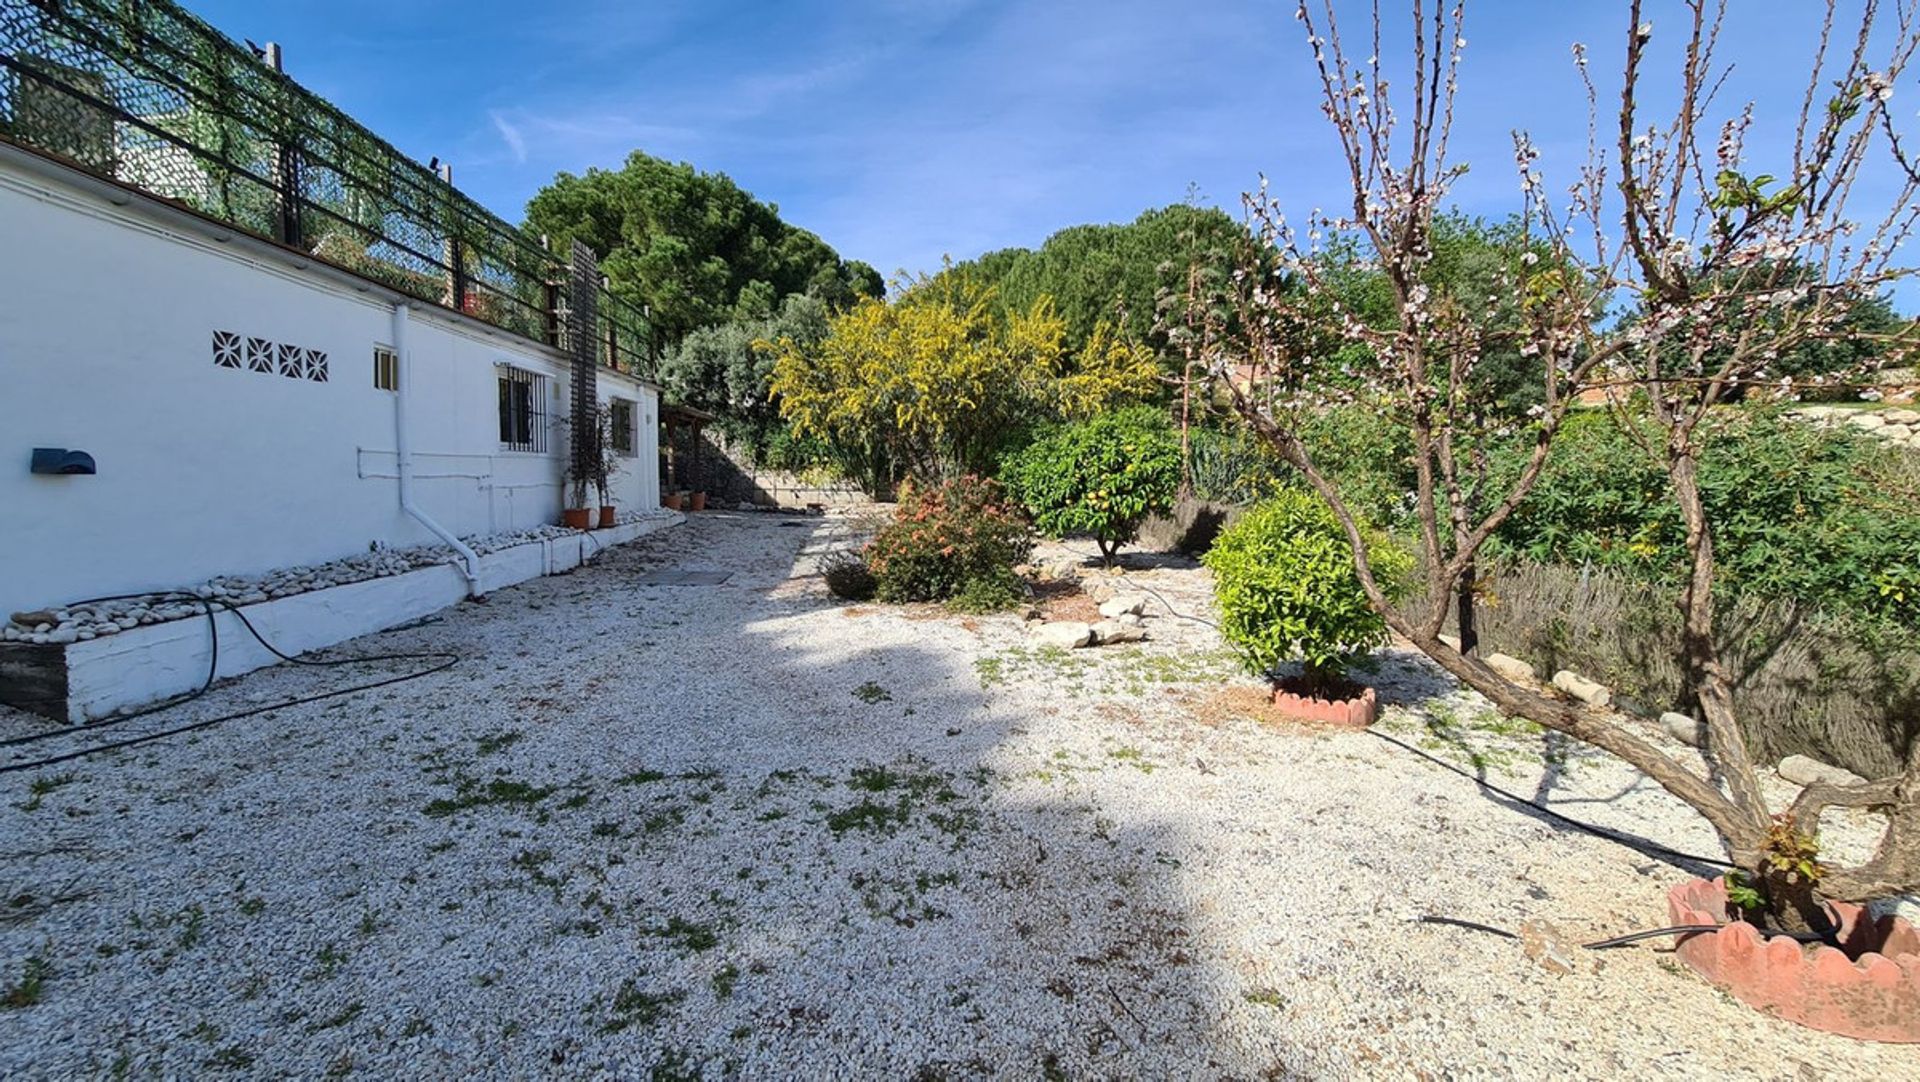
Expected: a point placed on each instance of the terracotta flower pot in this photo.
(1869, 991)
(1358, 710)
(575, 518)
(699, 501)
(609, 515)
(670, 501)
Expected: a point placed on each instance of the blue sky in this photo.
(904, 130)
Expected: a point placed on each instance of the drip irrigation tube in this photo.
(1619, 940)
(1641, 845)
(442, 661)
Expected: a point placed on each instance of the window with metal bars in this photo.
(523, 419)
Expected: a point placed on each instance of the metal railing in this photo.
(143, 93)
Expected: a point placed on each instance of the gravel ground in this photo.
(742, 830)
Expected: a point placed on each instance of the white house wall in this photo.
(107, 322)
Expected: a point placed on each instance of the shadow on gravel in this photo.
(720, 829)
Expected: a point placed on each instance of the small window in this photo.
(620, 413)
(386, 369)
(522, 421)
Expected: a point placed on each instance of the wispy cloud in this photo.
(509, 135)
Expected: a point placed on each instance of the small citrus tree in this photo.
(1101, 477)
(1285, 583)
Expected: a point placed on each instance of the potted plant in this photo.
(696, 501)
(606, 463)
(574, 514)
(670, 500)
(1285, 584)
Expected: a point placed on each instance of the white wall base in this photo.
(153, 662)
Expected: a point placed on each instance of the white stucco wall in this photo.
(107, 317)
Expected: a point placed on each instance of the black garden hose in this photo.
(443, 661)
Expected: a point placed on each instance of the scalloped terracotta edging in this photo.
(1873, 998)
(1359, 712)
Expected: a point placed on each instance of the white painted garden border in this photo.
(149, 663)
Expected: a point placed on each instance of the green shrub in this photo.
(1230, 467)
(1100, 477)
(1371, 455)
(989, 593)
(1284, 581)
(848, 576)
(944, 537)
(1817, 515)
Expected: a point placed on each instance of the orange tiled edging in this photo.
(1358, 712)
(1876, 998)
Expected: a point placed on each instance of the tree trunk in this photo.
(1464, 601)
(1726, 744)
(1791, 904)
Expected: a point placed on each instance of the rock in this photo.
(1868, 421)
(1550, 948)
(1587, 691)
(1803, 770)
(1122, 605)
(1111, 631)
(1099, 591)
(1065, 634)
(1452, 641)
(1063, 570)
(1901, 416)
(1684, 729)
(1130, 619)
(64, 636)
(1512, 668)
(31, 619)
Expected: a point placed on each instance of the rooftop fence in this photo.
(143, 93)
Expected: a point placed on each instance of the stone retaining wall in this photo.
(1898, 426)
(729, 477)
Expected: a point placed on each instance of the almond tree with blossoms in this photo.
(1670, 275)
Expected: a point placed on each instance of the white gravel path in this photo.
(745, 831)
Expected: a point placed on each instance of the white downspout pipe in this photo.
(469, 560)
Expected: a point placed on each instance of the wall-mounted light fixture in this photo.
(59, 460)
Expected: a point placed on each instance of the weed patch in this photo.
(470, 793)
(635, 1006)
(32, 984)
(38, 788)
